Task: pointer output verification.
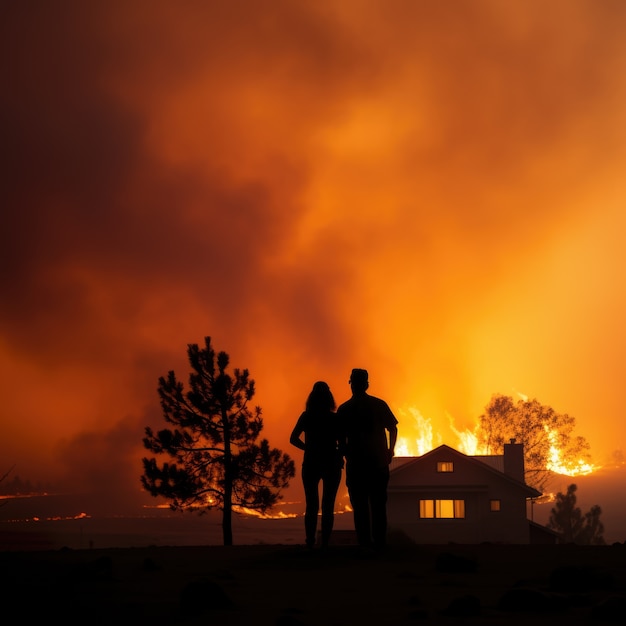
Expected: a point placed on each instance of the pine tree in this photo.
(216, 460)
(574, 527)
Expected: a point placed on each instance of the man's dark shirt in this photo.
(364, 421)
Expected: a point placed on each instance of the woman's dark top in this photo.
(321, 434)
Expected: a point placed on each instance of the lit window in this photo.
(494, 505)
(445, 466)
(427, 508)
(442, 509)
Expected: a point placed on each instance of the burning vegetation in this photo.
(550, 447)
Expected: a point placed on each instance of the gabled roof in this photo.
(490, 464)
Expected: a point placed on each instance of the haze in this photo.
(433, 192)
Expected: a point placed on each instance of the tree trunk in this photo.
(227, 517)
(227, 522)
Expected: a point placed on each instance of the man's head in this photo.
(359, 380)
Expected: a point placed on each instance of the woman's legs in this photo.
(330, 485)
(310, 481)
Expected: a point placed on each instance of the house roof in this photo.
(493, 464)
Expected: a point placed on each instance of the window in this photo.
(445, 466)
(494, 505)
(442, 509)
(427, 508)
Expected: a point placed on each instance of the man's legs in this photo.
(380, 480)
(359, 499)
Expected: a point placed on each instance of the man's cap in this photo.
(358, 376)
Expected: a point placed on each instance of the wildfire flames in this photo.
(559, 466)
(425, 440)
(273, 515)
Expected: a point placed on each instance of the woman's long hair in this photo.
(320, 398)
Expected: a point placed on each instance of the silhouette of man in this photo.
(369, 431)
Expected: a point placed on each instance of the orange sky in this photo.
(433, 192)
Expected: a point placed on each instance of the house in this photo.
(445, 496)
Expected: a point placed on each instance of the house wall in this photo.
(470, 482)
(479, 525)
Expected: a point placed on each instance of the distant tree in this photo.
(567, 519)
(2, 480)
(541, 430)
(216, 458)
(3, 476)
(592, 532)
(16, 486)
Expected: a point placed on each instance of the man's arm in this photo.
(393, 437)
(342, 442)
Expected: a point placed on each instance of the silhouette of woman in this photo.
(322, 460)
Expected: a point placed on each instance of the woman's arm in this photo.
(295, 439)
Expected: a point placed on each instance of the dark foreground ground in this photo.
(290, 586)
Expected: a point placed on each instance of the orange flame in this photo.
(423, 440)
(259, 514)
(468, 440)
(559, 466)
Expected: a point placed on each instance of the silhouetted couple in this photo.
(363, 430)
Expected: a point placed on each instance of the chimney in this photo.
(514, 460)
